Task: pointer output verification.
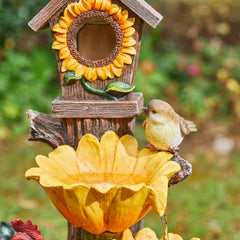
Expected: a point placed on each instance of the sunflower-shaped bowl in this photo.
(105, 185)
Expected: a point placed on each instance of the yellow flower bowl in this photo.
(105, 185)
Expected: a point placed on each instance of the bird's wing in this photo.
(144, 124)
(187, 126)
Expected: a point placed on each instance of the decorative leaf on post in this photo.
(119, 87)
(70, 76)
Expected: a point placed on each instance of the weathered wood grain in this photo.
(144, 11)
(47, 129)
(64, 108)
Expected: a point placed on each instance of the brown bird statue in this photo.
(164, 128)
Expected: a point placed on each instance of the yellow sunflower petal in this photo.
(105, 5)
(71, 63)
(59, 29)
(98, 4)
(129, 23)
(146, 234)
(120, 61)
(67, 14)
(77, 8)
(117, 71)
(80, 70)
(90, 74)
(118, 64)
(60, 37)
(64, 53)
(109, 71)
(127, 235)
(129, 50)
(128, 32)
(125, 57)
(92, 3)
(102, 73)
(123, 17)
(90, 153)
(71, 9)
(64, 65)
(128, 42)
(108, 144)
(118, 15)
(81, 7)
(113, 9)
(86, 5)
(58, 45)
(64, 22)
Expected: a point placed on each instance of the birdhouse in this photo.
(97, 44)
(99, 40)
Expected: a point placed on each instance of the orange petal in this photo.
(125, 57)
(118, 63)
(86, 5)
(77, 8)
(71, 9)
(129, 23)
(118, 15)
(106, 4)
(60, 37)
(128, 42)
(109, 71)
(59, 29)
(72, 64)
(117, 71)
(64, 67)
(98, 4)
(119, 60)
(64, 22)
(129, 50)
(128, 32)
(123, 17)
(102, 73)
(58, 45)
(80, 70)
(113, 9)
(90, 74)
(64, 53)
(67, 14)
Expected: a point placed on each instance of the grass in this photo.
(206, 205)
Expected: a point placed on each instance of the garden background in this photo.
(191, 61)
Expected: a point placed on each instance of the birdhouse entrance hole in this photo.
(94, 38)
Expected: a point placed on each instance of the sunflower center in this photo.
(96, 39)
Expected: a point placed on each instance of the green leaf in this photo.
(70, 76)
(119, 87)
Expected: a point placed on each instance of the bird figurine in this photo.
(164, 128)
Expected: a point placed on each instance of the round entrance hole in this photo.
(96, 39)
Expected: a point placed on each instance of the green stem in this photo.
(96, 91)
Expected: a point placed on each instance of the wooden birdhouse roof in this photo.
(139, 7)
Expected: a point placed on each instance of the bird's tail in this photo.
(192, 127)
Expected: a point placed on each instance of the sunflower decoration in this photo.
(75, 17)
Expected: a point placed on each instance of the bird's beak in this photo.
(145, 110)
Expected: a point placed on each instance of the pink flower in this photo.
(194, 70)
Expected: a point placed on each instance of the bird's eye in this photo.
(154, 112)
